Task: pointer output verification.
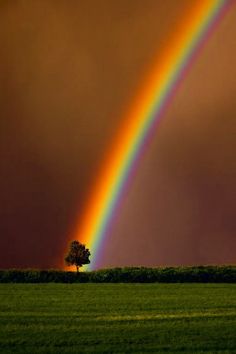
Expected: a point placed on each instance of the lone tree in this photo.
(78, 255)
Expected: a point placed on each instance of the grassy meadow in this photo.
(118, 318)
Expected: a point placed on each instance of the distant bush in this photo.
(198, 274)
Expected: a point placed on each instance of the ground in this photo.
(118, 318)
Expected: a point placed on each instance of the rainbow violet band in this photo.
(143, 117)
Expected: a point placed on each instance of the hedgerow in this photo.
(197, 274)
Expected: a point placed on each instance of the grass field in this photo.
(118, 318)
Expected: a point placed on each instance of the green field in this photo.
(117, 318)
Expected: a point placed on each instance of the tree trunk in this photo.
(77, 269)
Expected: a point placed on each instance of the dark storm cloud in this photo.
(67, 72)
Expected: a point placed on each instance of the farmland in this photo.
(117, 318)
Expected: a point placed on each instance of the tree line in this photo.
(200, 274)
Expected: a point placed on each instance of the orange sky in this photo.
(67, 72)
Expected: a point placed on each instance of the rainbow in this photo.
(142, 119)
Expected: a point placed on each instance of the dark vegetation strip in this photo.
(198, 274)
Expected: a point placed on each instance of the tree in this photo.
(78, 255)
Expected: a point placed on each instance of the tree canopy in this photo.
(78, 255)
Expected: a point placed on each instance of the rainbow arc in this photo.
(146, 111)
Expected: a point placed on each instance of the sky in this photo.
(68, 72)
